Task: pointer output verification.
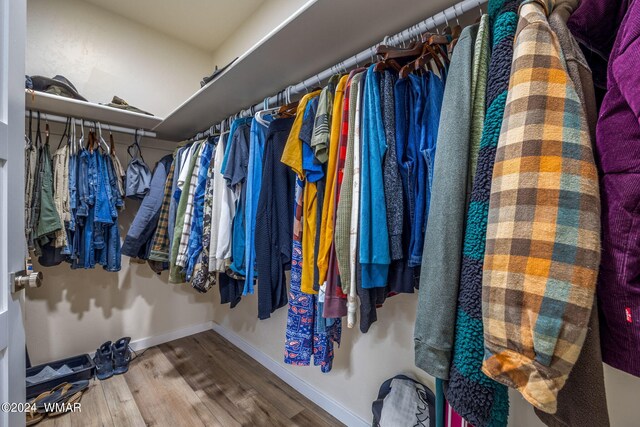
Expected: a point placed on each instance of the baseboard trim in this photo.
(323, 400)
(145, 343)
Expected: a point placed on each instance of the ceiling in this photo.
(202, 23)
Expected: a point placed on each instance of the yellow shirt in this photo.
(292, 154)
(327, 225)
(292, 157)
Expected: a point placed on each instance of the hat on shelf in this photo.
(58, 85)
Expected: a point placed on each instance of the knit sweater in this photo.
(480, 400)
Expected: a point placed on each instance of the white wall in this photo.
(267, 17)
(364, 361)
(104, 54)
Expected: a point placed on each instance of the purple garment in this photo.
(618, 155)
(595, 24)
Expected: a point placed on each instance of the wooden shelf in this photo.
(48, 103)
(320, 34)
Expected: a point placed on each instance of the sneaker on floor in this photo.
(121, 355)
(104, 361)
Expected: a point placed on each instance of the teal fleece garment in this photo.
(476, 397)
(374, 248)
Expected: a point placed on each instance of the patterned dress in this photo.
(302, 340)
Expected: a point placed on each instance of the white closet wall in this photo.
(269, 15)
(105, 54)
(77, 310)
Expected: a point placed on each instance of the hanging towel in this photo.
(477, 398)
(543, 232)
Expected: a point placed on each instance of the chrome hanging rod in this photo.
(363, 57)
(106, 126)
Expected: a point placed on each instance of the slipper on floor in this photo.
(34, 417)
(62, 393)
(71, 400)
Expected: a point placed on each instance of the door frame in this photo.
(13, 28)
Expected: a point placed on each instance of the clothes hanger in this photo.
(81, 140)
(393, 52)
(481, 12)
(72, 137)
(66, 129)
(102, 142)
(38, 133)
(289, 109)
(135, 145)
(27, 137)
(91, 141)
(47, 131)
(112, 144)
(457, 30)
(447, 29)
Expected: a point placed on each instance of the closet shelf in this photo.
(316, 37)
(48, 103)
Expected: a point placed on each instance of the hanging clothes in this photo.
(138, 175)
(194, 245)
(299, 157)
(373, 251)
(187, 192)
(585, 386)
(204, 278)
(479, 399)
(304, 337)
(219, 187)
(259, 130)
(160, 243)
(325, 138)
(143, 226)
(335, 300)
(345, 200)
(273, 237)
(236, 176)
(618, 133)
(543, 232)
(401, 276)
(440, 276)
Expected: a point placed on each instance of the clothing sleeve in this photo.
(543, 231)
(441, 259)
(143, 224)
(238, 162)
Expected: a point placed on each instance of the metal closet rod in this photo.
(107, 126)
(408, 34)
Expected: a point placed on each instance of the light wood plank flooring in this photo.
(201, 380)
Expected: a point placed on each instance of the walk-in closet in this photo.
(389, 213)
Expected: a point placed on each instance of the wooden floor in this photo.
(201, 380)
